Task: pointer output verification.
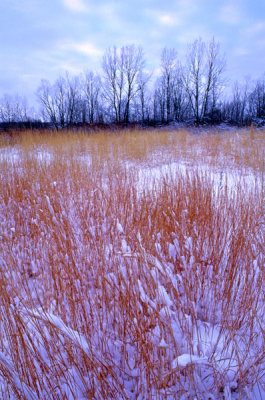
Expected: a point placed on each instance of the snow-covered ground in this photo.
(151, 173)
(129, 321)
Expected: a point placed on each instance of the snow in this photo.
(204, 346)
(224, 179)
(119, 227)
(185, 359)
(8, 368)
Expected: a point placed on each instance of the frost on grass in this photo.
(109, 291)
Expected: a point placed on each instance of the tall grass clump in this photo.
(132, 266)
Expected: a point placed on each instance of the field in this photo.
(132, 265)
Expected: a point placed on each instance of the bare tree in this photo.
(120, 72)
(143, 95)
(60, 101)
(91, 90)
(171, 87)
(122, 94)
(73, 97)
(15, 109)
(179, 98)
(202, 77)
(257, 100)
(133, 63)
(159, 101)
(60, 97)
(169, 67)
(6, 111)
(48, 103)
(215, 65)
(113, 81)
(238, 106)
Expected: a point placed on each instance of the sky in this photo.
(41, 39)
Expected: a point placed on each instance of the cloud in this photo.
(241, 51)
(86, 48)
(168, 20)
(252, 39)
(72, 69)
(256, 29)
(110, 13)
(231, 13)
(189, 34)
(188, 6)
(75, 5)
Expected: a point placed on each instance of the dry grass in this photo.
(119, 284)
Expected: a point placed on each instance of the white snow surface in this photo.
(203, 354)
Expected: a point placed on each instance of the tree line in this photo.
(191, 92)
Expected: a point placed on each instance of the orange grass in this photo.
(104, 285)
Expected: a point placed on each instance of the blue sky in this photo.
(43, 38)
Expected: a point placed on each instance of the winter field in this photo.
(132, 265)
